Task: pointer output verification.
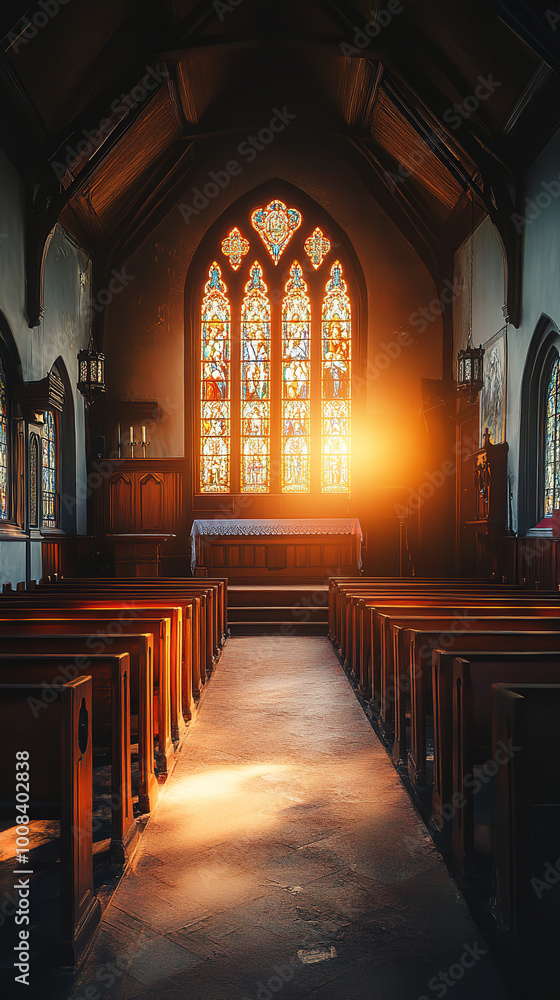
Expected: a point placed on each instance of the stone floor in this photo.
(285, 858)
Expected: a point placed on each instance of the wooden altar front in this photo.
(285, 548)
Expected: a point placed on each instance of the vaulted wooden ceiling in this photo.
(105, 107)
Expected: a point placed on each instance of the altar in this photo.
(290, 548)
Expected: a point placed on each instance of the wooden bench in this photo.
(82, 646)
(348, 595)
(381, 616)
(474, 674)
(526, 830)
(134, 609)
(60, 772)
(83, 620)
(110, 723)
(408, 672)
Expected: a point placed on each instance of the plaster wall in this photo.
(539, 223)
(63, 331)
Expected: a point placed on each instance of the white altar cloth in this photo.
(224, 526)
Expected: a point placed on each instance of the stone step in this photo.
(287, 628)
(278, 614)
(271, 596)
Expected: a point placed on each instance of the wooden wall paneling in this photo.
(121, 504)
(150, 494)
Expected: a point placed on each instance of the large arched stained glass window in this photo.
(296, 385)
(336, 373)
(255, 385)
(49, 491)
(4, 454)
(215, 395)
(552, 443)
(275, 359)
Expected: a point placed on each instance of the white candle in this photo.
(119, 435)
(143, 434)
(132, 435)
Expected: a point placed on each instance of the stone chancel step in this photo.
(282, 610)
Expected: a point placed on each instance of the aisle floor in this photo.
(285, 857)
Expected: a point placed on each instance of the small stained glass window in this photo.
(276, 225)
(4, 448)
(317, 247)
(49, 481)
(552, 443)
(235, 246)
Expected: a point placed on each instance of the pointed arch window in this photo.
(215, 395)
(552, 442)
(296, 385)
(336, 372)
(255, 385)
(49, 479)
(4, 447)
(275, 349)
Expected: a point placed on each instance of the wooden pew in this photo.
(135, 609)
(110, 726)
(411, 640)
(60, 773)
(38, 621)
(526, 829)
(357, 642)
(473, 676)
(340, 586)
(216, 584)
(208, 623)
(346, 593)
(82, 647)
(442, 670)
(452, 606)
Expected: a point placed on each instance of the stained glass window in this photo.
(335, 381)
(552, 443)
(49, 482)
(317, 247)
(276, 225)
(4, 457)
(275, 361)
(255, 385)
(296, 385)
(235, 246)
(215, 395)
